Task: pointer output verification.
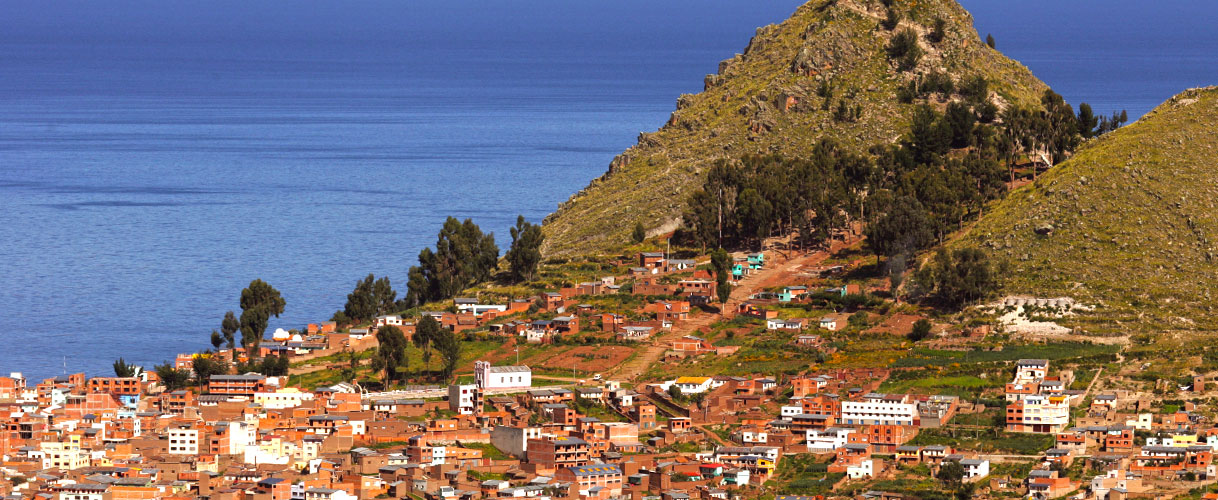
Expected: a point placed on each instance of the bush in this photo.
(891, 20)
(921, 330)
(904, 49)
(936, 32)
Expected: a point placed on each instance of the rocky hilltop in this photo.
(780, 96)
(1128, 224)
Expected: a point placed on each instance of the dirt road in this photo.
(775, 273)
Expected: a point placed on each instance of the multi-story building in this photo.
(595, 481)
(246, 385)
(1039, 414)
(464, 399)
(63, 455)
(183, 441)
(558, 452)
(501, 377)
(880, 409)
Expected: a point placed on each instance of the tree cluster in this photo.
(430, 335)
(524, 257)
(259, 302)
(744, 202)
(271, 366)
(370, 298)
(957, 278)
(463, 257)
(171, 377)
(391, 353)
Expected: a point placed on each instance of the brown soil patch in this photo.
(897, 324)
(589, 359)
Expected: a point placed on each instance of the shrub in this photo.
(904, 49)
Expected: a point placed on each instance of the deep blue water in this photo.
(156, 157)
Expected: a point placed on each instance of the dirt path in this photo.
(774, 274)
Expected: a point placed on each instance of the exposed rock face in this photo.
(777, 96)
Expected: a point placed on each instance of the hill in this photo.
(780, 96)
(1128, 223)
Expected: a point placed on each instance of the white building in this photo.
(290, 397)
(1038, 413)
(863, 469)
(501, 377)
(63, 456)
(183, 441)
(327, 494)
(975, 468)
(82, 491)
(827, 440)
(462, 398)
(693, 385)
(388, 320)
(1028, 371)
(240, 435)
(790, 411)
(880, 409)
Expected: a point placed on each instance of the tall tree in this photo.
(425, 337)
(755, 215)
(901, 228)
(1059, 126)
(216, 340)
(371, 297)
(1087, 121)
(391, 352)
(123, 369)
(259, 302)
(989, 40)
(450, 350)
(524, 257)
(206, 366)
(229, 327)
(171, 377)
(463, 256)
(721, 263)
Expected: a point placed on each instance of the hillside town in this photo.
(672, 426)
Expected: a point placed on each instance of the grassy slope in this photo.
(1134, 223)
(844, 44)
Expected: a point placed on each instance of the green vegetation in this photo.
(803, 475)
(124, 369)
(956, 278)
(228, 329)
(1055, 351)
(488, 451)
(780, 96)
(1127, 224)
(985, 441)
(259, 302)
(463, 256)
(524, 256)
(371, 298)
(172, 378)
(391, 353)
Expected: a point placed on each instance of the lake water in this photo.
(156, 157)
